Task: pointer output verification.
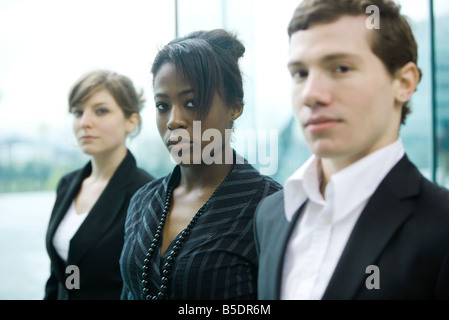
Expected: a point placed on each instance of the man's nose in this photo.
(316, 91)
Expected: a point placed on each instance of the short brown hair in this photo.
(119, 86)
(393, 43)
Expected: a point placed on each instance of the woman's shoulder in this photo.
(69, 177)
(139, 175)
(149, 190)
(143, 197)
(271, 181)
(247, 172)
(152, 185)
(144, 177)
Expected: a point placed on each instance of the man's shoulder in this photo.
(428, 190)
(435, 196)
(273, 201)
(271, 209)
(271, 224)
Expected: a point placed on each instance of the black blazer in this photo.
(96, 246)
(403, 230)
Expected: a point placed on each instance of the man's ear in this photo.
(407, 79)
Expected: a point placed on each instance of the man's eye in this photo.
(342, 69)
(299, 74)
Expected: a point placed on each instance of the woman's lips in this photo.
(178, 142)
(87, 138)
(179, 145)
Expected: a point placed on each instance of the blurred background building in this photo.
(46, 45)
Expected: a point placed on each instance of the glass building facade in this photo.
(263, 27)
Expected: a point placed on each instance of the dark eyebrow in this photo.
(160, 95)
(294, 64)
(340, 56)
(326, 59)
(185, 92)
(182, 93)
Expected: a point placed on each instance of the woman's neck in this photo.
(104, 165)
(207, 176)
(203, 176)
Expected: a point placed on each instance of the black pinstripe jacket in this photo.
(218, 260)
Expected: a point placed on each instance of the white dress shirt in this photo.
(322, 231)
(66, 230)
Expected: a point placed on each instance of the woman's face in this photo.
(179, 126)
(100, 125)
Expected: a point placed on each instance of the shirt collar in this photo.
(301, 185)
(356, 183)
(360, 179)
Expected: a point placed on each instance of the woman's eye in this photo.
(77, 113)
(189, 104)
(101, 111)
(161, 107)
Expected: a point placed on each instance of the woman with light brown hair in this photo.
(86, 225)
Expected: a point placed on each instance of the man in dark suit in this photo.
(357, 220)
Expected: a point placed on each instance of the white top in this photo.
(322, 231)
(66, 230)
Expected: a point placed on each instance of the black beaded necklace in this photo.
(162, 294)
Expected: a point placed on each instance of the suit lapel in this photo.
(104, 212)
(385, 212)
(59, 212)
(67, 199)
(284, 237)
(275, 233)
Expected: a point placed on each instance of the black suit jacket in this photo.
(403, 230)
(96, 247)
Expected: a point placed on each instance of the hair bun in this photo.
(222, 39)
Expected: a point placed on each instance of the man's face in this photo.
(342, 95)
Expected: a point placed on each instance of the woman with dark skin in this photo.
(189, 235)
